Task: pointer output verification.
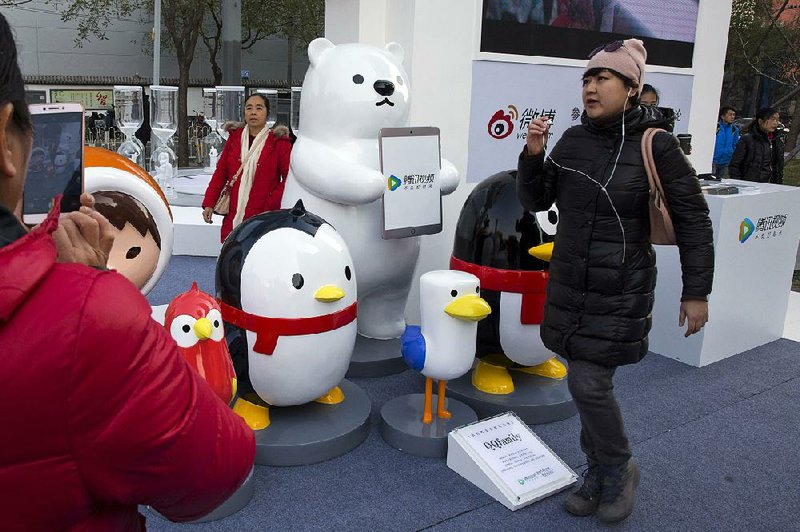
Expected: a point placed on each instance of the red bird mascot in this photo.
(195, 322)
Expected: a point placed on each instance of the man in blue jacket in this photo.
(727, 137)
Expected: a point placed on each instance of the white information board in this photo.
(410, 162)
(506, 459)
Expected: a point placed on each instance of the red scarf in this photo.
(531, 284)
(268, 330)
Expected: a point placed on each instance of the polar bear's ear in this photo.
(317, 48)
(396, 50)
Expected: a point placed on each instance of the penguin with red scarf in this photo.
(508, 249)
(287, 291)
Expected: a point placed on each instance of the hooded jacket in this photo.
(268, 182)
(725, 143)
(100, 412)
(603, 269)
(758, 158)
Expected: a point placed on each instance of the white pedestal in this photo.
(752, 278)
(193, 236)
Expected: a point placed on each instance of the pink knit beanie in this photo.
(628, 59)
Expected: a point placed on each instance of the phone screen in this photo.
(55, 164)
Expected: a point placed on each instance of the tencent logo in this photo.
(394, 183)
(746, 229)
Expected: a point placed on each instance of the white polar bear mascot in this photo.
(350, 92)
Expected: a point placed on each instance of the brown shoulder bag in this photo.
(223, 204)
(661, 230)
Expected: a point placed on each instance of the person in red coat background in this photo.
(100, 413)
(260, 157)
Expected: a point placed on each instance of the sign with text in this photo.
(91, 99)
(506, 459)
(507, 96)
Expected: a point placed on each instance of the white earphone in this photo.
(603, 187)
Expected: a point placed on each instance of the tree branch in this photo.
(754, 67)
(772, 22)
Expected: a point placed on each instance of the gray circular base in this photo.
(535, 399)
(233, 504)
(402, 426)
(376, 358)
(313, 432)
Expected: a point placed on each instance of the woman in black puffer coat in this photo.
(603, 268)
(759, 153)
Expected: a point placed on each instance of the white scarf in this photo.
(249, 158)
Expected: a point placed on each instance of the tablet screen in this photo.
(410, 160)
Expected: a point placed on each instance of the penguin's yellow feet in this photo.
(492, 378)
(333, 397)
(551, 369)
(256, 417)
(440, 409)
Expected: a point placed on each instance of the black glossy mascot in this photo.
(508, 249)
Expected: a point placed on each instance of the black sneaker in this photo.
(619, 492)
(585, 500)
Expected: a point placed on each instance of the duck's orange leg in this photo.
(427, 415)
(440, 411)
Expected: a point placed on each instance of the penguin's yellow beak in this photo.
(329, 293)
(202, 329)
(469, 308)
(542, 251)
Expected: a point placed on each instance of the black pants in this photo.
(602, 431)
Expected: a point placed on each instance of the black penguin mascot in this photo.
(508, 249)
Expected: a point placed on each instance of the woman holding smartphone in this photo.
(254, 165)
(603, 269)
(100, 410)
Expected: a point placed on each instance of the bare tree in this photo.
(299, 21)
(764, 50)
(182, 21)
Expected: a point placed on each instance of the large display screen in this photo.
(573, 28)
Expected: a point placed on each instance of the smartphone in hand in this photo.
(56, 163)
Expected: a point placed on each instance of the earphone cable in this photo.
(600, 185)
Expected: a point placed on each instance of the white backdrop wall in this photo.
(507, 96)
(441, 39)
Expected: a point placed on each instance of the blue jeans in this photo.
(719, 170)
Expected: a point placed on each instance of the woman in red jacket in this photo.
(100, 413)
(259, 160)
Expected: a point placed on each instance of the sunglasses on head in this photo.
(610, 47)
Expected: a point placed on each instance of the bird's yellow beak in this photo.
(329, 293)
(202, 329)
(542, 251)
(469, 308)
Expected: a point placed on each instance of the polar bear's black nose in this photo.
(383, 87)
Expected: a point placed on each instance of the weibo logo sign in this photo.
(501, 124)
